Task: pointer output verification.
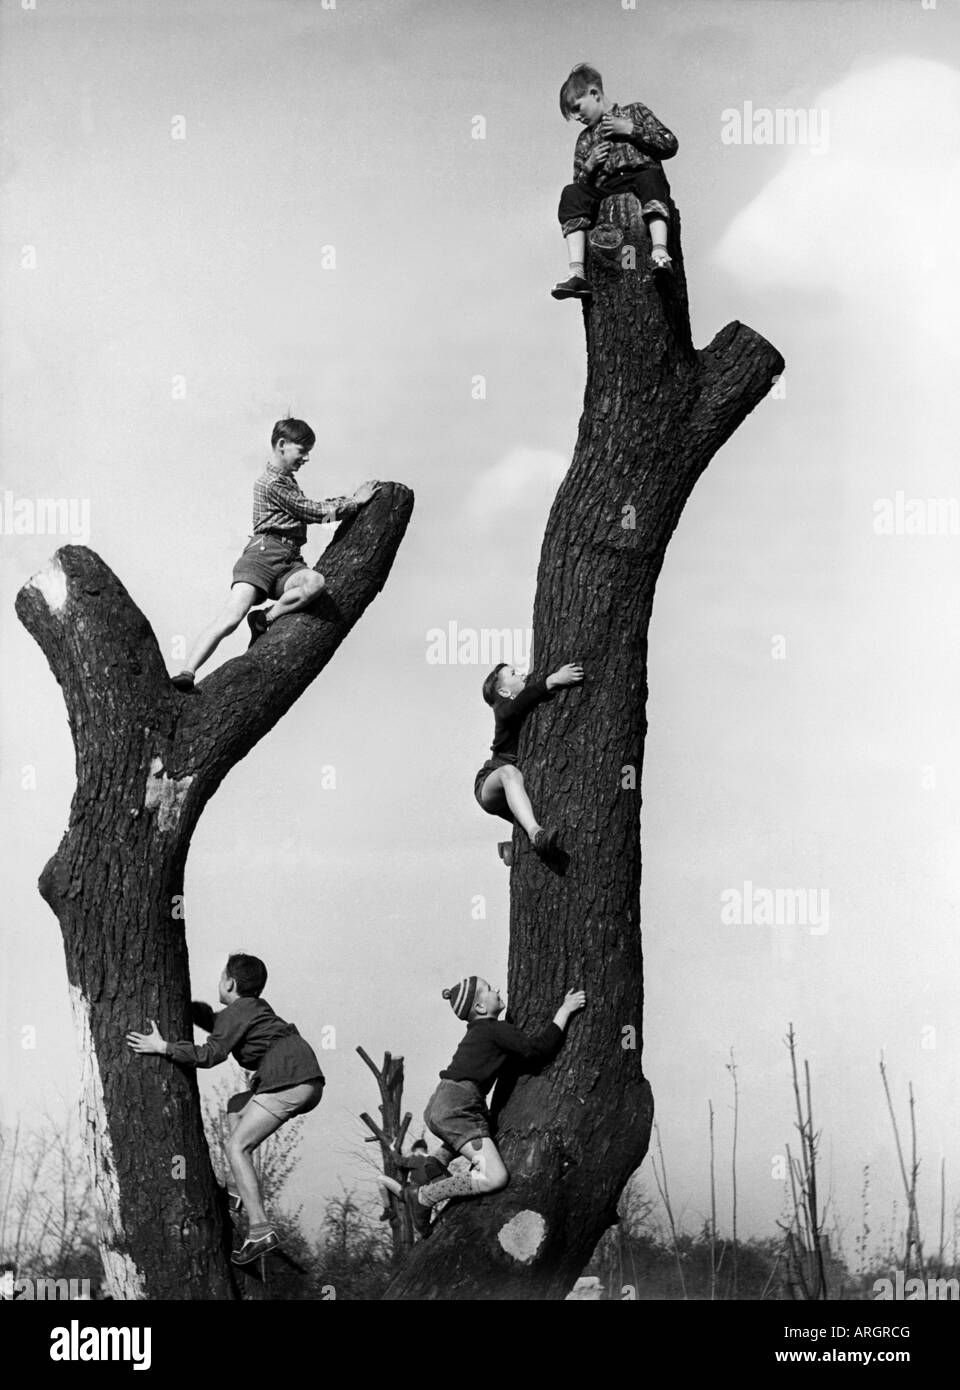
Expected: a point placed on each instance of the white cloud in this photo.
(874, 217)
(516, 492)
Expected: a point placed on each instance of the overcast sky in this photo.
(165, 299)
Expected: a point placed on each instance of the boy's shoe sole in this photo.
(567, 291)
(251, 1250)
(545, 841)
(505, 851)
(183, 680)
(258, 626)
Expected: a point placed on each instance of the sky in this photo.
(214, 215)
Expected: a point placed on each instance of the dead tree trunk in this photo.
(655, 412)
(390, 1134)
(148, 760)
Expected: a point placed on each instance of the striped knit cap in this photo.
(462, 996)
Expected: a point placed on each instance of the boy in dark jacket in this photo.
(420, 1166)
(457, 1112)
(287, 1080)
(498, 786)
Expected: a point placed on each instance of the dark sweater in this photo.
(509, 715)
(422, 1168)
(259, 1040)
(487, 1044)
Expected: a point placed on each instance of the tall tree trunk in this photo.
(655, 412)
(148, 760)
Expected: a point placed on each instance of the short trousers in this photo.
(489, 766)
(580, 204)
(284, 1105)
(457, 1113)
(268, 562)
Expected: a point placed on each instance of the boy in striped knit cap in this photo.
(457, 1112)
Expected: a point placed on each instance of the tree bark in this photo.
(655, 411)
(148, 760)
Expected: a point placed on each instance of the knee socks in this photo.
(457, 1185)
(472, 1184)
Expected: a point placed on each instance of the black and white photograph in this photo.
(480, 788)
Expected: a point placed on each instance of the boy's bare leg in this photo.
(658, 232)
(254, 1124)
(576, 287)
(487, 1170)
(299, 590)
(505, 785)
(576, 250)
(233, 1119)
(659, 254)
(231, 615)
(487, 1174)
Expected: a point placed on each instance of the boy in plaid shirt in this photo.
(619, 151)
(271, 566)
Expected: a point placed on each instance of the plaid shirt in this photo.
(650, 142)
(280, 506)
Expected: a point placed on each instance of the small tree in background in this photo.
(47, 1227)
(354, 1256)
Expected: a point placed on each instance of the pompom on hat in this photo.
(462, 995)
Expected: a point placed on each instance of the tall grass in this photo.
(649, 1253)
